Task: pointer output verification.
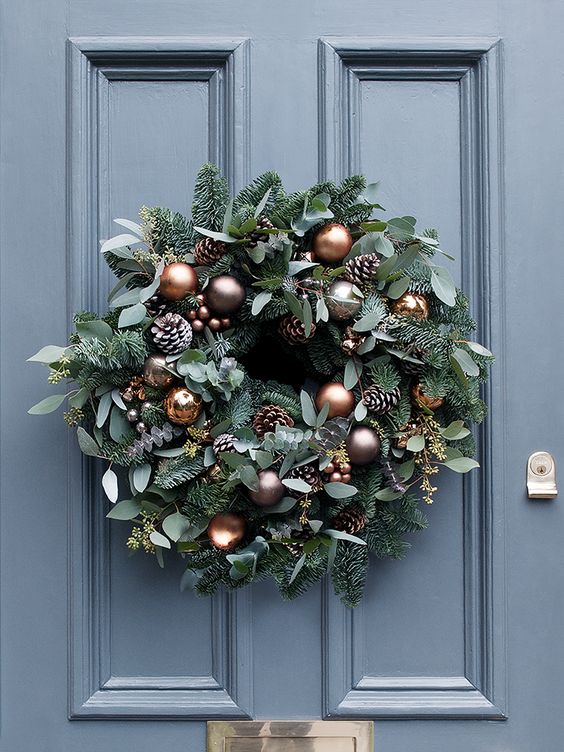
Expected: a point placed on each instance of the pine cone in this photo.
(171, 333)
(293, 330)
(208, 251)
(310, 473)
(257, 236)
(378, 401)
(414, 369)
(225, 442)
(301, 537)
(349, 520)
(268, 417)
(361, 270)
(351, 341)
(155, 305)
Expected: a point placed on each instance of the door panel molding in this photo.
(475, 65)
(94, 692)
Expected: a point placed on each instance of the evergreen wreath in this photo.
(282, 376)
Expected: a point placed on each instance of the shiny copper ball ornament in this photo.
(226, 530)
(331, 243)
(182, 406)
(419, 397)
(177, 281)
(341, 400)
(214, 324)
(198, 326)
(363, 445)
(225, 294)
(270, 489)
(156, 372)
(411, 304)
(342, 300)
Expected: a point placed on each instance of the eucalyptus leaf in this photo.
(48, 354)
(110, 485)
(297, 484)
(464, 360)
(309, 413)
(119, 241)
(176, 525)
(125, 510)
(262, 299)
(103, 410)
(340, 490)
(131, 226)
(249, 477)
(119, 425)
(367, 322)
(132, 315)
(189, 580)
(416, 443)
(397, 288)
(461, 464)
(475, 347)
(386, 494)
(141, 477)
(47, 405)
(353, 372)
(443, 285)
(340, 535)
(222, 236)
(86, 443)
(297, 568)
(94, 329)
(158, 539)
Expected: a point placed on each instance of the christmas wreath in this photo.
(282, 376)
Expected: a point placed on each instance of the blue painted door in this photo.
(456, 107)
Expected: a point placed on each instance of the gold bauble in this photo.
(419, 397)
(331, 243)
(226, 530)
(177, 281)
(411, 304)
(341, 400)
(182, 406)
(156, 372)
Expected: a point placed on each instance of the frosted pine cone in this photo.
(225, 442)
(309, 473)
(171, 333)
(378, 401)
(257, 236)
(268, 417)
(362, 270)
(293, 330)
(208, 251)
(155, 305)
(349, 520)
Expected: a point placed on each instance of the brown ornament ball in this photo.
(156, 372)
(177, 281)
(182, 406)
(363, 445)
(331, 243)
(411, 304)
(225, 294)
(198, 326)
(270, 489)
(341, 400)
(343, 302)
(226, 530)
(419, 397)
(214, 324)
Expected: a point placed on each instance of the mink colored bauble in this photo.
(363, 445)
(156, 373)
(342, 300)
(225, 294)
(411, 304)
(226, 530)
(341, 400)
(182, 406)
(419, 396)
(177, 281)
(270, 489)
(332, 243)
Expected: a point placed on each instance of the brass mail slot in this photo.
(290, 736)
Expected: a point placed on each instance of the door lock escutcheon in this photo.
(541, 476)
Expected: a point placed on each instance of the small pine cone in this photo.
(414, 369)
(171, 333)
(208, 251)
(293, 330)
(351, 341)
(361, 270)
(155, 305)
(301, 537)
(268, 417)
(258, 236)
(310, 473)
(378, 401)
(349, 520)
(225, 442)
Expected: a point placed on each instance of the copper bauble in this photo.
(411, 304)
(342, 300)
(182, 406)
(419, 397)
(225, 294)
(226, 530)
(156, 372)
(341, 401)
(363, 445)
(270, 489)
(177, 281)
(331, 243)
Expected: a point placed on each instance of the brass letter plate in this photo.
(290, 736)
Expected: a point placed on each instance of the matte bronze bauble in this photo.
(363, 445)
(331, 243)
(226, 530)
(270, 489)
(341, 400)
(342, 300)
(225, 294)
(411, 304)
(177, 281)
(419, 397)
(182, 406)
(156, 372)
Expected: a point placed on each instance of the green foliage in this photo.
(179, 470)
(253, 194)
(211, 195)
(167, 231)
(349, 572)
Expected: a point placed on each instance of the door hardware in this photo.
(541, 476)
